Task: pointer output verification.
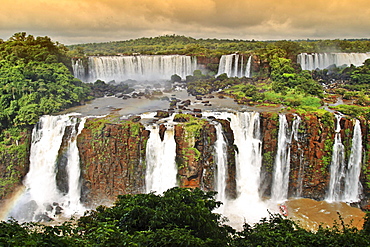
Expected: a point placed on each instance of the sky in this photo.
(88, 21)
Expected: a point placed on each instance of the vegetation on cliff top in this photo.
(176, 44)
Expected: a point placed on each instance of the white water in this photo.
(41, 186)
(248, 72)
(323, 60)
(141, 68)
(280, 181)
(230, 65)
(74, 173)
(161, 168)
(248, 206)
(78, 69)
(353, 188)
(221, 161)
(336, 167)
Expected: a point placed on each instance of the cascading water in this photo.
(248, 206)
(336, 166)
(79, 69)
(230, 65)
(324, 60)
(248, 72)
(42, 199)
(301, 170)
(353, 188)
(141, 68)
(221, 161)
(280, 182)
(161, 168)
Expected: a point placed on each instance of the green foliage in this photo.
(176, 44)
(35, 79)
(156, 220)
(353, 110)
(361, 74)
(179, 217)
(280, 231)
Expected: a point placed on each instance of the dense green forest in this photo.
(179, 217)
(175, 44)
(35, 79)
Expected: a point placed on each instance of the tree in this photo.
(181, 217)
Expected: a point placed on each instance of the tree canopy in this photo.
(35, 79)
(179, 217)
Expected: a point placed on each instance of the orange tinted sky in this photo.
(83, 21)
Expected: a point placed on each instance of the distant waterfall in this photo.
(230, 65)
(42, 196)
(337, 166)
(280, 182)
(353, 188)
(248, 72)
(161, 168)
(221, 161)
(312, 61)
(79, 69)
(141, 68)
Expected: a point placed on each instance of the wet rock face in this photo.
(194, 156)
(113, 155)
(309, 174)
(111, 160)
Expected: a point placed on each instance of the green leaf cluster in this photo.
(35, 79)
(179, 217)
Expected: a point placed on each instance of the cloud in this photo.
(73, 21)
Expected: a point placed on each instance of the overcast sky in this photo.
(85, 21)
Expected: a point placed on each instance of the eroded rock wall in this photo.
(111, 159)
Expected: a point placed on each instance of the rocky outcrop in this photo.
(113, 155)
(111, 159)
(194, 154)
(310, 154)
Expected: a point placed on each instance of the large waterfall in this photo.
(161, 168)
(53, 184)
(344, 178)
(43, 198)
(141, 67)
(280, 182)
(234, 66)
(221, 160)
(352, 189)
(312, 61)
(248, 206)
(336, 166)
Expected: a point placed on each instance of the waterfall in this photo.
(230, 65)
(221, 161)
(248, 72)
(74, 171)
(336, 166)
(42, 199)
(161, 168)
(324, 60)
(248, 206)
(352, 183)
(141, 68)
(78, 69)
(280, 182)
